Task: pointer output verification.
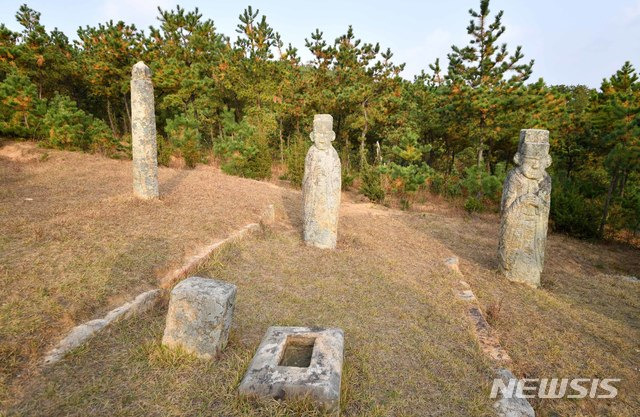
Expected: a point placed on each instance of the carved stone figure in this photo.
(143, 133)
(526, 198)
(321, 186)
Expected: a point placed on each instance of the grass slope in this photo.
(75, 243)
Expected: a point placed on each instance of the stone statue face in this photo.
(533, 159)
(322, 140)
(322, 134)
(532, 167)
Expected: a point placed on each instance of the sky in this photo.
(571, 41)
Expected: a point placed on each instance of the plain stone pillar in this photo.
(321, 186)
(199, 316)
(143, 133)
(526, 198)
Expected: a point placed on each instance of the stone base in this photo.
(199, 316)
(297, 362)
(522, 275)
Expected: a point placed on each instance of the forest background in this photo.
(248, 104)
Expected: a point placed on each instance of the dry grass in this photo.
(75, 243)
(584, 322)
(409, 347)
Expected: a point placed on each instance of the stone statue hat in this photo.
(323, 123)
(534, 143)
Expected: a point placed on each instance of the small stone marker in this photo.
(143, 133)
(297, 362)
(526, 198)
(514, 405)
(321, 186)
(199, 316)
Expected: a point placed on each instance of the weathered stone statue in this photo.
(321, 186)
(526, 197)
(143, 133)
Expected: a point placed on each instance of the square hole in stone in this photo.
(297, 351)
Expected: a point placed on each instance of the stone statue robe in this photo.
(321, 187)
(523, 227)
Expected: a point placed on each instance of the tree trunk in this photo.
(363, 136)
(111, 123)
(347, 145)
(452, 162)
(281, 144)
(481, 141)
(127, 122)
(623, 183)
(489, 155)
(607, 201)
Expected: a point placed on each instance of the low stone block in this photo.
(514, 406)
(199, 316)
(295, 362)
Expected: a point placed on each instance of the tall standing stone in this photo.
(321, 186)
(143, 133)
(526, 199)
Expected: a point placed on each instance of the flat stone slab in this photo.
(297, 362)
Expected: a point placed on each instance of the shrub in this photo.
(68, 127)
(243, 147)
(624, 213)
(184, 135)
(294, 158)
(102, 139)
(66, 124)
(437, 184)
(572, 213)
(473, 205)
(407, 179)
(347, 178)
(371, 185)
(453, 189)
(478, 182)
(165, 150)
(21, 110)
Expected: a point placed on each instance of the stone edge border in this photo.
(490, 346)
(148, 299)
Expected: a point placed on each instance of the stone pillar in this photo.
(321, 186)
(526, 198)
(143, 133)
(199, 316)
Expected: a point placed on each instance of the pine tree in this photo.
(618, 121)
(20, 108)
(490, 71)
(109, 52)
(47, 58)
